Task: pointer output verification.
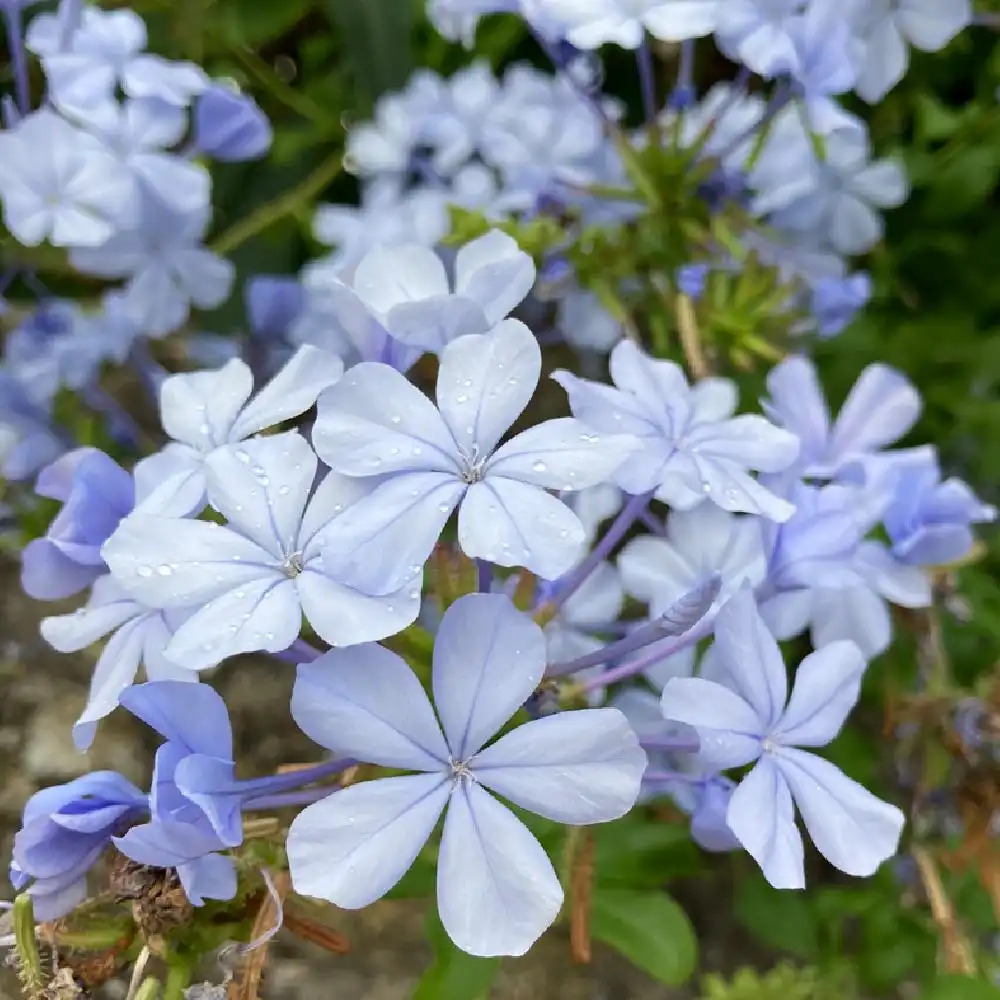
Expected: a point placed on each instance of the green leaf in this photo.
(961, 988)
(377, 41)
(453, 975)
(639, 852)
(649, 929)
(782, 919)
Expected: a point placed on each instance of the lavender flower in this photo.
(497, 891)
(692, 448)
(748, 720)
(429, 460)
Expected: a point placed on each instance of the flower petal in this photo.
(365, 702)
(199, 409)
(261, 614)
(575, 767)
(381, 543)
(168, 562)
(391, 276)
(881, 408)
(488, 658)
(728, 728)
(497, 891)
(494, 272)
(485, 382)
(261, 487)
(751, 657)
(294, 389)
(375, 421)
(353, 846)
(514, 524)
(193, 715)
(762, 816)
(853, 830)
(344, 616)
(563, 454)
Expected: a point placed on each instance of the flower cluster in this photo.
(448, 573)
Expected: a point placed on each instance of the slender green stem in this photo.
(179, 969)
(293, 99)
(274, 211)
(150, 990)
(29, 962)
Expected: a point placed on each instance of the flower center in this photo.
(460, 770)
(293, 565)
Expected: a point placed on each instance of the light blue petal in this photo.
(857, 614)
(210, 877)
(261, 487)
(575, 767)
(485, 382)
(494, 272)
(562, 454)
(605, 408)
(749, 440)
(797, 403)
(374, 421)
(352, 847)
(762, 817)
(827, 687)
(514, 524)
(199, 409)
(381, 543)
(294, 389)
(729, 730)
(853, 830)
(193, 715)
(751, 657)
(432, 324)
(344, 616)
(173, 563)
(881, 407)
(261, 614)
(365, 702)
(497, 891)
(488, 659)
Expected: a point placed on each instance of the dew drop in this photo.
(395, 419)
(706, 487)
(165, 570)
(539, 467)
(243, 456)
(283, 491)
(461, 398)
(145, 571)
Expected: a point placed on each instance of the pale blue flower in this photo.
(706, 540)
(835, 302)
(497, 891)
(167, 267)
(758, 33)
(692, 446)
(748, 720)
(62, 185)
(428, 460)
(886, 29)
(203, 411)
(138, 635)
(230, 127)
(407, 290)
(96, 493)
(881, 407)
(64, 831)
(254, 578)
(592, 23)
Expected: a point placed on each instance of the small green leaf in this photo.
(453, 975)
(377, 41)
(649, 929)
(961, 988)
(782, 919)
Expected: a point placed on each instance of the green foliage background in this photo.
(317, 65)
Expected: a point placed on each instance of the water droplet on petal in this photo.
(145, 571)
(395, 419)
(164, 570)
(539, 467)
(283, 491)
(461, 398)
(706, 487)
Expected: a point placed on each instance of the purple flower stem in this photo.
(651, 521)
(627, 516)
(691, 779)
(306, 652)
(484, 576)
(657, 652)
(121, 425)
(304, 798)
(257, 788)
(19, 63)
(679, 744)
(647, 80)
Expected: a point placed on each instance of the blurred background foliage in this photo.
(316, 66)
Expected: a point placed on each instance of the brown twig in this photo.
(246, 984)
(956, 950)
(687, 330)
(581, 888)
